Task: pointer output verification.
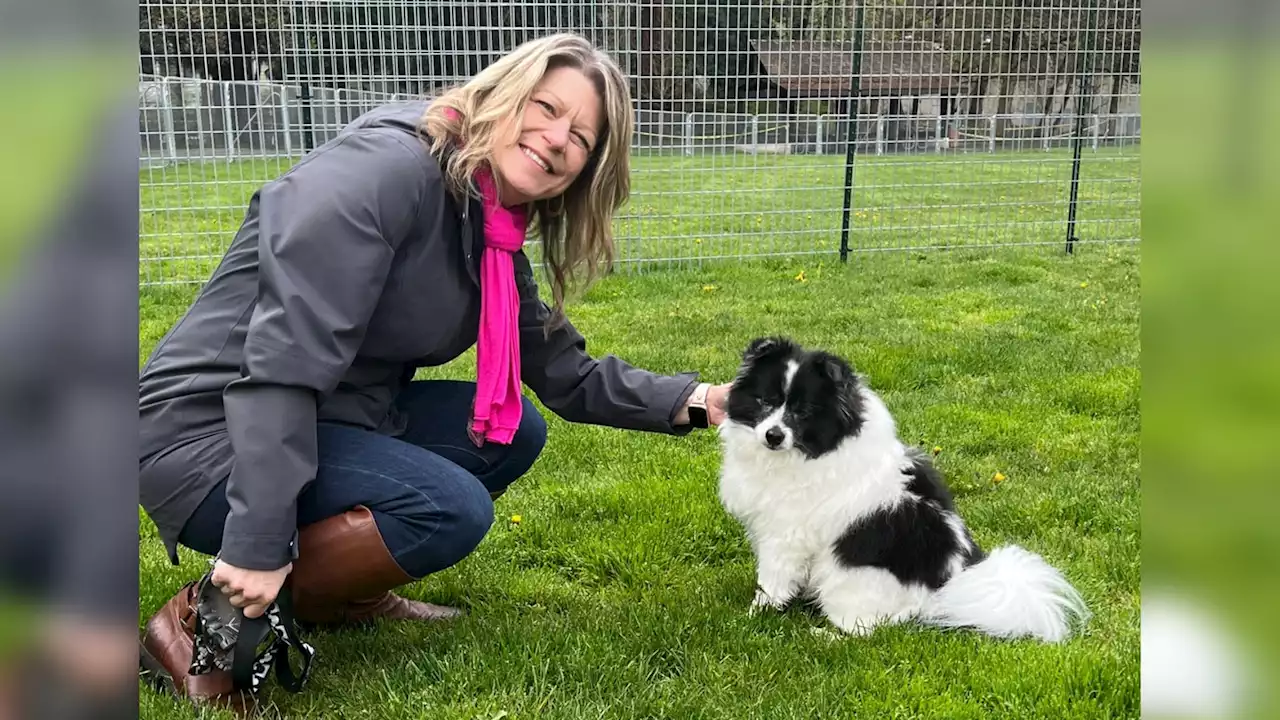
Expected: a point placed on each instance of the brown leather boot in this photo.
(344, 574)
(166, 656)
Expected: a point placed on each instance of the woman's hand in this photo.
(717, 400)
(251, 590)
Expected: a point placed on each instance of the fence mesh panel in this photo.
(763, 127)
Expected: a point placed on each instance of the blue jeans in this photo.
(429, 489)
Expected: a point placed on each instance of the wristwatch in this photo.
(698, 406)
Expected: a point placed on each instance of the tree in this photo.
(667, 48)
(216, 39)
(1017, 40)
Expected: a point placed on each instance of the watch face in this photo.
(698, 416)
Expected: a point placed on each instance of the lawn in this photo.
(623, 590)
(685, 209)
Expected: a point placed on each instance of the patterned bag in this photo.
(225, 639)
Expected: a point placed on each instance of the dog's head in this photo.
(795, 400)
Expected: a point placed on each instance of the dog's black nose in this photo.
(773, 436)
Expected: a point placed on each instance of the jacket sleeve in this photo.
(327, 233)
(605, 391)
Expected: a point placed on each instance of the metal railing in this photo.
(1026, 135)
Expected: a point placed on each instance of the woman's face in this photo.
(561, 125)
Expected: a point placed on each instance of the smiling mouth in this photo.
(537, 159)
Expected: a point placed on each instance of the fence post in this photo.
(261, 109)
(201, 95)
(991, 142)
(302, 43)
(1097, 128)
(817, 145)
(1084, 67)
(688, 134)
(755, 134)
(308, 121)
(284, 120)
(635, 123)
(879, 135)
(171, 137)
(228, 121)
(851, 136)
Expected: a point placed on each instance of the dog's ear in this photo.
(836, 368)
(842, 374)
(765, 346)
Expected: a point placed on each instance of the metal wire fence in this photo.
(763, 128)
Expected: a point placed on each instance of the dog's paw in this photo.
(856, 626)
(764, 601)
(861, 629)
(825, 633)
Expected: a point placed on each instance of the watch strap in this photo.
(698, 406)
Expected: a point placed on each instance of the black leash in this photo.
(227, 640)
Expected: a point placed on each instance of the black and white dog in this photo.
(839, 511)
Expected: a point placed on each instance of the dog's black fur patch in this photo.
(927, 483)
(911, 540)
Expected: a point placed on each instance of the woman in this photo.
(282, 430)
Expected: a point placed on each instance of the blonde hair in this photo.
(576, 228)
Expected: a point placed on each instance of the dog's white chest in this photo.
(776, 497)
(811, 502)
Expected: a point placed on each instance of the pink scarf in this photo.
(498, 405)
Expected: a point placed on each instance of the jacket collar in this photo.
(472, 237)
(470, 215)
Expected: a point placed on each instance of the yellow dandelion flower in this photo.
(937, 449)
(708, 288)
(999, 477)
(515, 519)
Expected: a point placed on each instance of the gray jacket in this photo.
(349, 272)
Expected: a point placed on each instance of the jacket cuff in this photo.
(256, 552)
(682, 394)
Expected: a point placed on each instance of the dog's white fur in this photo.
(794, 509)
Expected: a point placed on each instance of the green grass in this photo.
(623, 592)
(685, 209)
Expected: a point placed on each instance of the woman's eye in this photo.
(545, 105)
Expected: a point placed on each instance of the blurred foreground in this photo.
(1211, 349)
(68, 360)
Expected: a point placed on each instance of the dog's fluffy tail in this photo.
(1011, 593)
